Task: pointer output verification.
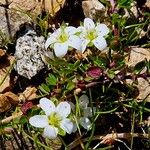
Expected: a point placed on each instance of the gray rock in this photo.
(93, 9)
(29, 53)
(13, 13)
(137, 55)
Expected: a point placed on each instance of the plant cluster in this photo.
(89, 99)
(86, 83)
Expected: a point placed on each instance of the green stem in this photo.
(76, 121)
(62, 141)
(132, 129)
(90, 138)
(93, 123)
(77, 106)
(31, 138)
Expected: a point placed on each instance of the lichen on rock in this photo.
(29, 51)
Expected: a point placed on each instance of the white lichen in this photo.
(28, 54)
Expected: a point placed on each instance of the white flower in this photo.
(54, 120)
(86, 113)
(93, 34)
(62, 39)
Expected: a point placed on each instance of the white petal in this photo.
(70, 30)
(85, 123)
(83, 101)
(74, 128)
(63, 109)
(49, 54)
(50, 40)
(84, 44)
(75, 42)
(39, 121)
(102, 29)
(87, 112)
(81, 29)
(57, 33)
(100, 43)
(89, 24)
(60, 49)
(67, 126)
(47, 106)
(50, 132)
(72, 106)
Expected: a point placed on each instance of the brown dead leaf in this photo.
(109, 139)
(7, 100)
(81, 56)
(4, 103)
(52, 6)
(13, 98)
(5, 69)
(2, 53)
(28, 95)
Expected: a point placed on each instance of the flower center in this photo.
(63, 37)
(54, 119)
(91, 35)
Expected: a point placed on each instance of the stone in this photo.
(53, 6)
(14, 13)
(28, 54)
(93, 9)
(144, 89)
(147, 4)
(137, 55)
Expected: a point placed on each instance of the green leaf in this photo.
(88, 79)
(111, 74)
(23, 120)
(44, 88)
(61, 132)
(16, 120)
(51, 80)
(83, 67)
(70, 86)
(34, 111)
(57, 62)
(124, 3)
(100, 61)
(77, 64)
(118, 20)
(139, 67)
